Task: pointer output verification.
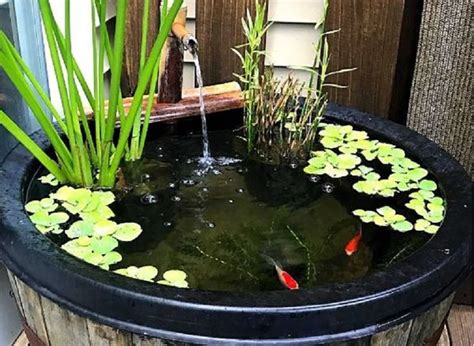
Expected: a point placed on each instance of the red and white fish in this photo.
(353, 245)
(285, 278)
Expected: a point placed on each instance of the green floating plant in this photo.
(88, 205)
(373, 185)
(425, 204)
(96, 251)
(176, 278)
(385, 216)
(147, 273)
(329, 163)
(406, 175)
(426, 226)
(94, 237)
(49, 179)
(49, 222)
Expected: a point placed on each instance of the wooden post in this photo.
(133, 32)
(218, 29)
(170, 85)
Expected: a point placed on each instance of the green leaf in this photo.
(329, 142)
(105, 227)
(112, 258)
(128, 232)
(380, 221)
(147, 273)
(175, 276)
(80, 228)
(386, 211)
(403, 226)
(49, 180)
(104, 245)
(422, 224)
(428, 185)
(314, 170)
(417, 174)
(335, 172)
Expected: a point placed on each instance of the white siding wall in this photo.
(289, 40)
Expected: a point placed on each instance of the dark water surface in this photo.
(216, 224)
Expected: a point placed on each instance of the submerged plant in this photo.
(86, 156)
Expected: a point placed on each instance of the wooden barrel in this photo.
(47, 323)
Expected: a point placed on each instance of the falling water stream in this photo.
(206, 153)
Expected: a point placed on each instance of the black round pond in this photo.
(329, 313)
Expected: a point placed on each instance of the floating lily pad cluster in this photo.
(385, 216)
(176, 278)
(84, 216)
(344, 151)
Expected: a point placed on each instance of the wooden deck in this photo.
(458, 331)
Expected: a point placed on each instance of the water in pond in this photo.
(217, 226)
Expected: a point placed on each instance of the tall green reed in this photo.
(87, 156)
(279, 123)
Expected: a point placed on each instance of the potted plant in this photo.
(303, 230)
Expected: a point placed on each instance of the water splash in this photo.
(206, 153)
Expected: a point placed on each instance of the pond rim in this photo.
(327, 313)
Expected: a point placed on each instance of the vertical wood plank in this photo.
(441, 104)
(426, 325)
(218, 29)
(395, 336)
(133, 32)
(64, 327)
(101, 335)
(369, 40)
(11, 279)
(33, 312)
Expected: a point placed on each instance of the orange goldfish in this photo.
(353, 245)
(285, 278)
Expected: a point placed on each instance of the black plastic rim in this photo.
(324, 314)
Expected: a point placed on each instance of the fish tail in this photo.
(271, 261)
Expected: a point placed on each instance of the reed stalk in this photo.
(86, 156)
(280, 124)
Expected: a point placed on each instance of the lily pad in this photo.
(128, 232)
(175, 275)
(46, 204)
(104, 245)
(402, 226)
(417, 174)
(49, 179)
(428, 185)
(80, 228)
(105, 227)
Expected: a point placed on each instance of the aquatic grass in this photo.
(87, 156)
(252, 59)
(279, 122)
